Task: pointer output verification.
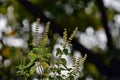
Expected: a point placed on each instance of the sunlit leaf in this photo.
(30, 63)
(48, 55)
(32, 55)
(32, 69)
(45, 65)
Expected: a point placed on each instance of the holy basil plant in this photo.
(42, 63)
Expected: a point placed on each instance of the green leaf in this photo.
(32, 69)
(20, 67)
(40, 50)
(51, 78)
(61, 68)
(35, 50)
(30, 63)
(58, 51)
(18, 72)
(69, 69)
(65, 51)
(63, 61)
(27, 74)
(52, 70)
(45, 59)
(71, 77)
(48, 55)
(59, 71)
(59, 77)
(45, 65)
(32, 55)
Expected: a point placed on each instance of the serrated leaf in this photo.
(32, 69)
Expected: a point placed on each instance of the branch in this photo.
(105, 24)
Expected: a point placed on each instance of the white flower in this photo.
(39, 68)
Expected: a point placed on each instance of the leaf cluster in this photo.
(45, 65)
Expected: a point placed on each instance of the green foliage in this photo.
(58, 51)
(41, 62)
(65, 51)
(32, 69)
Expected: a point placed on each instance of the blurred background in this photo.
(98, 36)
